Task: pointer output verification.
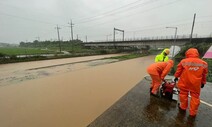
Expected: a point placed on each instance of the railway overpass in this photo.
(153, 43)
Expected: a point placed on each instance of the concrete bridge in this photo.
(153, 43)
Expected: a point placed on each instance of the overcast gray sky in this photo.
(26, 20)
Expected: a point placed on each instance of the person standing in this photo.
(163, 57)
(158, 71)
(192, 72)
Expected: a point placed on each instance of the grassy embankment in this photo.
(34, 50)
(13, 54)
(12, 51)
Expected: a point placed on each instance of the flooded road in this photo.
(67, 98)
(20, 72)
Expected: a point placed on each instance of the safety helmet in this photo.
(167, 51)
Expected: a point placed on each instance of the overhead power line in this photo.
(101, 14)
(115, 11)
(29, 19)
(29, 11)
(120, 18)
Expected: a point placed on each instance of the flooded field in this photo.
(66, 92)
(20, 72)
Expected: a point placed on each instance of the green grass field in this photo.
(23, 51)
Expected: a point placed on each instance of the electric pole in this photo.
(86, 38)
(107, 37)
(175, 37)
(71, 26)
(192, 27)
(114, 33)
(58, 35)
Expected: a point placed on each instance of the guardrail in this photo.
(158, 38)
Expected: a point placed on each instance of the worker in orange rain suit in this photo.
(192, 72)
(158, 71)
(163, 56)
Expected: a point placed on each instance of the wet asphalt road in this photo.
(138, 109)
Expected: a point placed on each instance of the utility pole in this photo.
(114, 35)
(58, 35)
(77, 36)
(175, 37)
(86, 38)
(192, 27)
(133, 35)
(71, 26)
(107, 36)
(123, 36)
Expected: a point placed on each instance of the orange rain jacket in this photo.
(192, 71)
(160, 68)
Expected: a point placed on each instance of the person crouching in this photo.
(158, 71)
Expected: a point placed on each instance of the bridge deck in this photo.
(138, 109)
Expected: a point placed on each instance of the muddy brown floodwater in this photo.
(69, 95)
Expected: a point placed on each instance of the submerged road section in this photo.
(65, 95)
(138, 109)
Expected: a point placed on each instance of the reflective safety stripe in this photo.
(194, 64)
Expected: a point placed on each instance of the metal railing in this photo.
(158, 38)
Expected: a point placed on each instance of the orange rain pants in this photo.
(194, 103)
(192, 72)
(156, 81)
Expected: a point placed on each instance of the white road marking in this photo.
(210, 105)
